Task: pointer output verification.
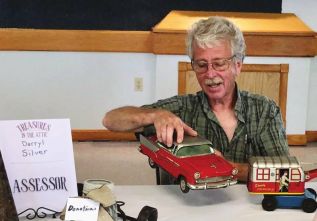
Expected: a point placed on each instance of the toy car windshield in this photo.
(194, 150)
(194, 146)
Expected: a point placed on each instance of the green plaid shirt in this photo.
(259, 132)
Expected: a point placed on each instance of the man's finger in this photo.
(159, 131)
(190, 131)
(169, 135)
(163, 133)
(180, 134)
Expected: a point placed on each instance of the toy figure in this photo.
(284, 181)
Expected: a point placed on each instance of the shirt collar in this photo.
(238, 105)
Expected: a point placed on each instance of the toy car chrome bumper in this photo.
(200, 184)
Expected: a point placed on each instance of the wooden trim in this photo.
(143, 41)
(250, 23)
(102, 135)
(315, 44)
(266, 34)
(311, 136)
(283, 90)
(75, 40)
(182, 68)
(288, 46)
(257, 45)
(297, 139)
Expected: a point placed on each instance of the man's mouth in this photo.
(213, 82)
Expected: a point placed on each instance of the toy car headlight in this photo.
(197, 175)
(234, 171)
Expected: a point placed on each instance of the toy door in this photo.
(168, 160)
(296, 184)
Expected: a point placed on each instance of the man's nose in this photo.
(210, 70)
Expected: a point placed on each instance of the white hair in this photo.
(209, 32)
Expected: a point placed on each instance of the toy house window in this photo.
(295, 175)
(263, 174)
(277, 175)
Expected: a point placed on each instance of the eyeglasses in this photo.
(201, 66)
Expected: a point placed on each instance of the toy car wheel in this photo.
(147, 213)
(312, 191)
(152, 163)
(309, 205)
(183, 185)
(269, 203)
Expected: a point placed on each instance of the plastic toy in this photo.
(282, 182)
(193, 163)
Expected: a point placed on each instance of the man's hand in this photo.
(134, 118)
(166, 123)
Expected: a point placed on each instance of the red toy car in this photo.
(193, 162)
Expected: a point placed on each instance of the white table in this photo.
(232, 203)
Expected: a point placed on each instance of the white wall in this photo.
(306, 10)
(312, 98)
(76, 85)
(82, 86)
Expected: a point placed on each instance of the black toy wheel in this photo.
(309, 205)
(312, 191)
(269, 203)
(147, 213)
(183, 185)
(151, 163)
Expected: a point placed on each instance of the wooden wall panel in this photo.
(75, 40)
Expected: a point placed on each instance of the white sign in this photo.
(82, 209)
(39, 160)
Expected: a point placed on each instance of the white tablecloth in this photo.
(232, 203)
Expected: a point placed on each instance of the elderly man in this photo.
(238, 123)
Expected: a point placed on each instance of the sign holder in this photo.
(38, 213)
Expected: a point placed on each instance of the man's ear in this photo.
(238, 66)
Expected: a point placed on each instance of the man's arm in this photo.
(132, 118)
(128, 118)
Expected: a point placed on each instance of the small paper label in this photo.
(81, 209)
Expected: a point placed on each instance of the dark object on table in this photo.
(7, 208)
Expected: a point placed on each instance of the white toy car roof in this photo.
(189, 141)
(274, 162)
